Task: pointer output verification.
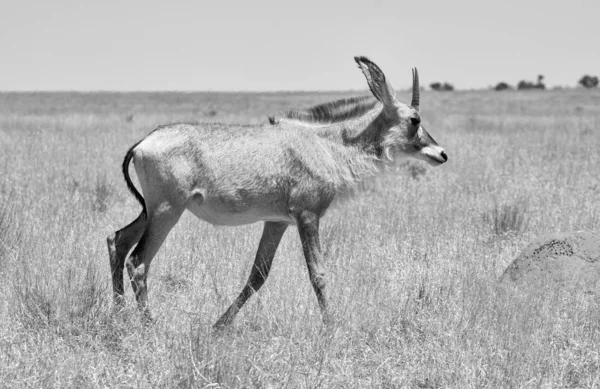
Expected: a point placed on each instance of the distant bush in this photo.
(416, 170)
(524, 85)
(588, 81)
(438, 86)
(502, 86)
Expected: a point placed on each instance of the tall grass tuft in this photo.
(11, 234)
(86, 304)
(34, 302)
(102, 193)
(77, 303)
(507, 219)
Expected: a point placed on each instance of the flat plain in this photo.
(413, 260)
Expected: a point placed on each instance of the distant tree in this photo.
(524, 85)
(588, 81)
(502, 86)
(448, 87)
(540, 82)
(438, 86)
(530, 85)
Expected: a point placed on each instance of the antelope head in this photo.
(403, 134)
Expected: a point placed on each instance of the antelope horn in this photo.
(415, 89)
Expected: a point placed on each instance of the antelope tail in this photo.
(130, 185)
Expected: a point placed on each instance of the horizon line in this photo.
(366, 91)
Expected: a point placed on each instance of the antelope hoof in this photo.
(118, 303)
(222, 324)
(147, 318)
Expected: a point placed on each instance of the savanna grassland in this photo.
(413, 261)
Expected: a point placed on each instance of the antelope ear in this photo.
(378, 85)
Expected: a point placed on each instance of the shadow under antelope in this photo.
(284, 173)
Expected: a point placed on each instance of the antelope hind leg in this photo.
(119, 244)
(159, 224)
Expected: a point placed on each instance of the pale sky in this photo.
(266, 45)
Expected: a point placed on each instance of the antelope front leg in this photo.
(272, 233)
(308, 227)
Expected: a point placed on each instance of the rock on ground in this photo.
(570, 260)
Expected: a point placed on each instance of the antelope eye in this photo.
(415, 121)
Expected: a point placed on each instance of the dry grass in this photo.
(413, 262)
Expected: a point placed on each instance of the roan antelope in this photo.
(282, 173)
